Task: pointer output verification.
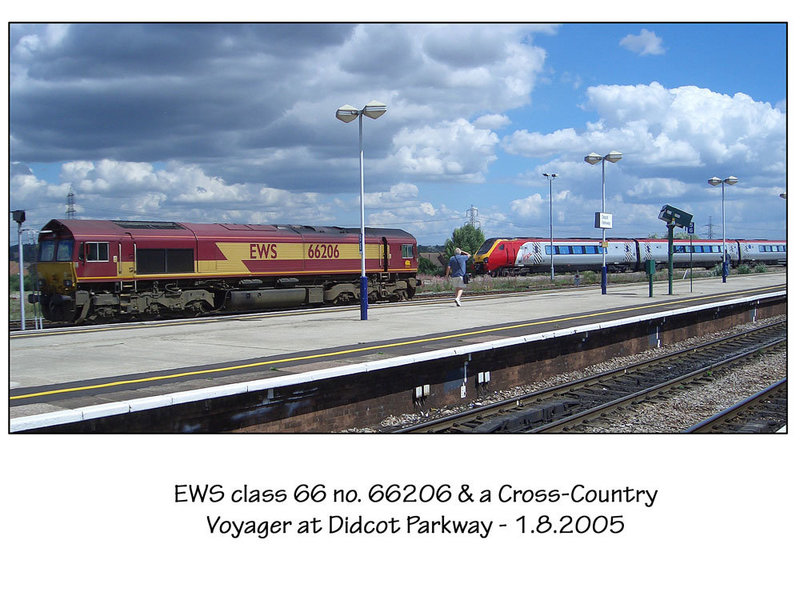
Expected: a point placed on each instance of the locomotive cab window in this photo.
(408, 250)
(64, 251)
(47, 250)
(94, 252)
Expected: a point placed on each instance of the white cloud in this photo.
(493, 121)
(646, 42)
(680, 127)
(530, 208)
(657, 187)
(672, 140)
(455, 150)
(118, 189)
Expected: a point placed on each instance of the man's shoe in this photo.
(458, 302)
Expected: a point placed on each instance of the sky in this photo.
(235, 122)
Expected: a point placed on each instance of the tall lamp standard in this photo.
(550, 177)
(715, 181)
(346, 114)
(593, 159)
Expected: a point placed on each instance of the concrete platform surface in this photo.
(296, 341)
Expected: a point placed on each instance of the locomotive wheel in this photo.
(198, 307)
(344, 298)
(57, 311)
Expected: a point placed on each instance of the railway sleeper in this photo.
(525, 418)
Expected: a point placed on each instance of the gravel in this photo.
(686, 408)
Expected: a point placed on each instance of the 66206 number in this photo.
(323, 251)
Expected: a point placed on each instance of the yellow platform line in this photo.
(372, 348)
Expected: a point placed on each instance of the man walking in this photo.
(456, 270)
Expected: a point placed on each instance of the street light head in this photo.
(715, 181)
(554, 175)
(613, 156)
(731, 180)
(593, 158)
(347, 113)
(374, 109)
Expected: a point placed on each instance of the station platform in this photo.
(78, 373)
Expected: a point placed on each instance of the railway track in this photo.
(568, 407)
(422, 299)
(763, 412)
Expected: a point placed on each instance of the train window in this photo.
(408, 250)
(548, 250)
(781, 248)
(96, 251)
(577, 249)
(64, 252)
(164, 260)
(486, 246)
(591, 250)
(47, 250)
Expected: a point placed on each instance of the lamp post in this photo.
(593, 159)
(346, 114)
(715, 181)
(550, 177)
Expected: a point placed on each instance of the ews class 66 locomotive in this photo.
(100, 271)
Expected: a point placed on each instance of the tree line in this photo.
(469, 238)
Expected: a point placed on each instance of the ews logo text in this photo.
(263, 251)
(199, 493)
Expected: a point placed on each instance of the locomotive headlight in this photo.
(67, 283)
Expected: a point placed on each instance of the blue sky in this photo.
(235, 123)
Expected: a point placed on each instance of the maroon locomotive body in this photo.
(93, 270)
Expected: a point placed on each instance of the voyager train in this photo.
(520, 256)
(97, 271)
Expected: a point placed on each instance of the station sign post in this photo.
(602, 220)
(650, 268)
(690, 231)
(19, 218)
